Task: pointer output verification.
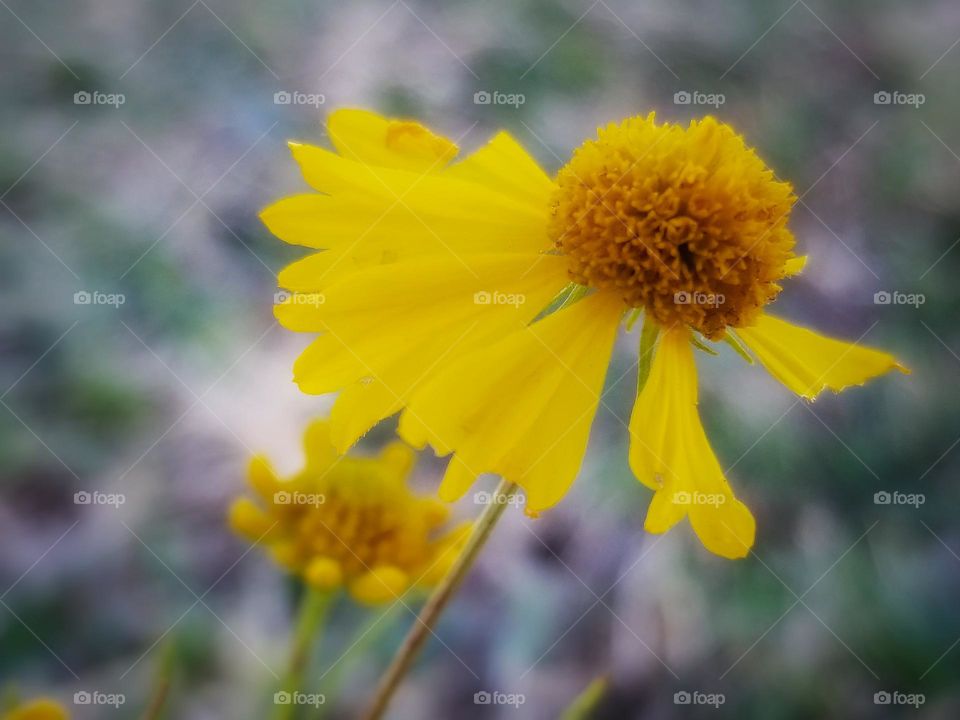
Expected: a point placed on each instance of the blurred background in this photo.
(140, 358)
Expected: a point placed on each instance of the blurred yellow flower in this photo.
(482, 298)
(39, 709)
(349, 521)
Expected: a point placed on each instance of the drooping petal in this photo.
(389, 327)
(807, 362)
(521, 407)
(670, 453)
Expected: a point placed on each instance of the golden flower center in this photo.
(686, 223)
(359, 536)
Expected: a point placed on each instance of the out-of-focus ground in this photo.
(163, 397)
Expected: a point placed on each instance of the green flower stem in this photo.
(374, 632)
(162, 683)
(438, 601)
(313, 609)
(158, 698)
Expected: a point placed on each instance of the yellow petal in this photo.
(795, 265)
(323, 573)
(248, 519)
(359, 232)
(496, 200)
(381, 584)
(297, 219)
(807, 362)
(521, 407)
(318, 446)
(387, 142)
(262, 478)
(670, 453)
(503, 165)
(390, 327)
(40, 709)
(286, 554)
(398, 458)
(423, 194)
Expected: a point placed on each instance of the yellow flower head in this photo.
(349, 521)
(652, 212)
(482, 298)
(40, 709)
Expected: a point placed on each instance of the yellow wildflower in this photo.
(349, 521)
(39, 709)
(482, 298)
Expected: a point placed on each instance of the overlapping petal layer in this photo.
(522, 407)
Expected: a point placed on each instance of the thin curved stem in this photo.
(438, 601)
(313, 606)
(162, 683)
